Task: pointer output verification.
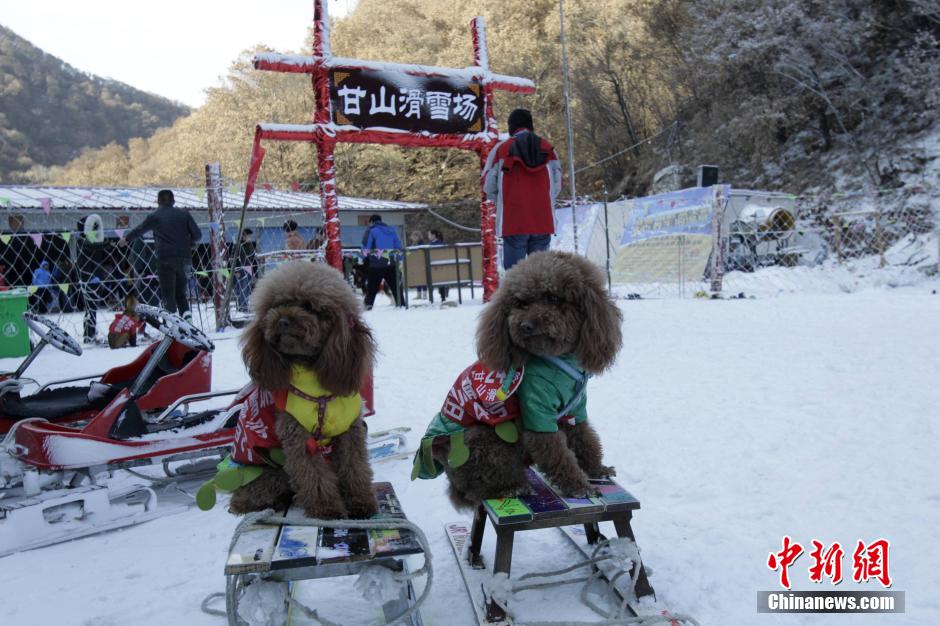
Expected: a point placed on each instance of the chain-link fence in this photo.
(70, 266)
(73, 269)
(666, 245)
(59, 246)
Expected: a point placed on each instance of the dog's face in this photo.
(544, 321)
(306, 313)
(551, 303)
(297, 326)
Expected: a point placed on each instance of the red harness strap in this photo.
(313, 442)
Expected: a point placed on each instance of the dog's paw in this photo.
(578, 490)
(331, 512)
(603, 471)
(362, 509)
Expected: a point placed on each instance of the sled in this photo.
(173, 369)
(543, 507)
(299, 560)
(57, 480)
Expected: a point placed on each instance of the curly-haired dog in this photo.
(300, 437)
(553, 318)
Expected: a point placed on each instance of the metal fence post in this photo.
(680, 243)
(937, 229)
(217, 240)
(607, 242)
(717, 256)
(837, 236)
(879, 237)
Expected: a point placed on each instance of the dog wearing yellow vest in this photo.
(300, 437)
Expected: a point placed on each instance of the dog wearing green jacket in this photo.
(552, 320)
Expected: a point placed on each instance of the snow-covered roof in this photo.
(145, 199)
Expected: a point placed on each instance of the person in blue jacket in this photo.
(382, 246)
(45, 296)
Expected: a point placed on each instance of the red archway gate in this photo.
(417, 106)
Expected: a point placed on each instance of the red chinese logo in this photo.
(868, 561)
(871, 561)
(784, 559)
(826, 563)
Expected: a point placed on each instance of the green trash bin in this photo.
(14, 334)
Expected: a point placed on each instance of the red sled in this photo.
(179, 370)
(57, 480)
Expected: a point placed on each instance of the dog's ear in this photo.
(266, 366)
(494, 344)
(601, 336)
(347, 356)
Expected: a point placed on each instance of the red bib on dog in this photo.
(474, 397)
(255, 427)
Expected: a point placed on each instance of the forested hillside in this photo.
(50, 111)
(779, 93)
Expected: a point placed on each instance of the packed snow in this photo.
(734, 422)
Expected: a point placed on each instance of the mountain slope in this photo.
(50, 111)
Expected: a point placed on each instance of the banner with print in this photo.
(666, 237)
(396, 100)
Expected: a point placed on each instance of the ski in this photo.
(474, 577)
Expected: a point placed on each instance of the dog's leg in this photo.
(271, 490)
(494, 469)
(310, 476)
(550, 452)
(586, 445)
(350, 460)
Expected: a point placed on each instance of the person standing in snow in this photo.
(381, 245)
(436, 238)
(92, 256)
(246, 268)
(42, 279)
(522, 176)
(175, 232)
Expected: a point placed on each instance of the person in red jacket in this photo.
(523, 177)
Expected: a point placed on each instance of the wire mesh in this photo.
(74, 270)
(663, 246)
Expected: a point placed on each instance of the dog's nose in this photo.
(283, 323)
(527, 327)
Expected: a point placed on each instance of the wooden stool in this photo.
(544, 508)
(285, 553)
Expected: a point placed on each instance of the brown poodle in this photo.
(550, 304)
(307, 320)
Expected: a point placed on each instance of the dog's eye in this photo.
(308, 307)
(519, 304)
(553, 300)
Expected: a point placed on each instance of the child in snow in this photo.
(124, 328)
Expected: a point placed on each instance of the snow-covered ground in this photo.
(734, 422)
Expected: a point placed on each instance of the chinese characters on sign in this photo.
(437, 104)
(869, 561)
